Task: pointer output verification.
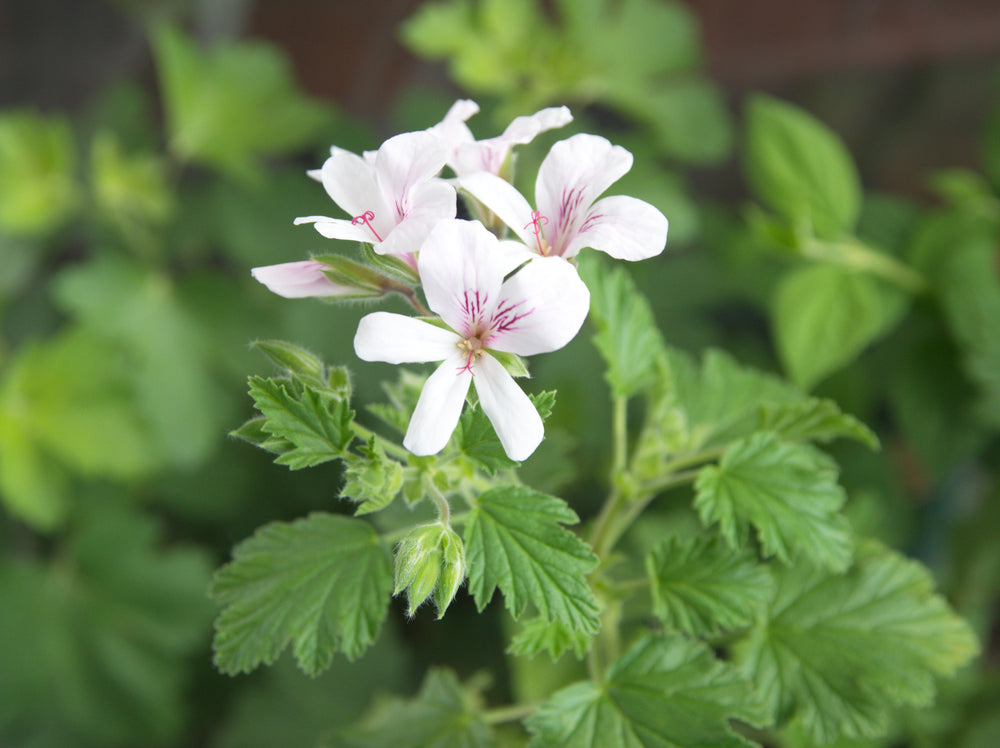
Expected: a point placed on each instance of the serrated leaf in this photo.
(702, 587)
(814, 419)
(837, 652)
(824, 316)
(627, 336)
(554, 637)
(664, 692)
(314, 420)
(214, 99)
(800, 168)
(515, 540)
(403, 395)
(442, 715)
(787, 492)
(321, 584)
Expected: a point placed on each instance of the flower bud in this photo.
(430, 560)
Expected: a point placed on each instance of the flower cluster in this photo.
(487, 296)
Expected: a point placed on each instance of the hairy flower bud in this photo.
(430, 560)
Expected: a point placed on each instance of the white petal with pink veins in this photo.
(511, 412)
(541, 308)
(502, 198)
(461, 272)
(439, 407)
(624, 227)
(297, 280)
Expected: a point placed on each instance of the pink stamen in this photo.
(366, 219)
(536, 222)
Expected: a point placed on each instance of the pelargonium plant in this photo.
(748, 607)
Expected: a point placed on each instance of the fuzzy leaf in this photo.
(627, 336)
(515, 540)
(553, 637)
(814, 419)
(321, 583)
(787, 492)
(701, 587)
(837, 652)
(441, 715)
(664, 692)
(314, 420)
(372, 480)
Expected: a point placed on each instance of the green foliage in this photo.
(665, 691)
(702, 588)
(787, 492)
(514, 540)
(442, 715)
(641, 59)
(307, 424)
(215, 101)
(321, 584)
(38, 192)
(372, 480)
(554, 637)
(825, 315)
(799, 168)
(477, 440)
(94, 646)
(66, 404)
(836, 652)
(627, 336)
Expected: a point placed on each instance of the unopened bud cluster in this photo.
(430, 561)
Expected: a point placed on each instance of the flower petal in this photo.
(338, 228)
(462, 269)
(572, 176)
(503, 199)
(524, 129)
(431, 203)
(398, 339)
(625, 227)
(402, 163)
(439, 407)
(350, 183)
(541, 308)
(297, 280)
(511, 412)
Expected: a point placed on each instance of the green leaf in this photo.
(113, 620)
(442, 715)
(214, 102)
(800, 168)
(664, 692)
(837, 652)
(372, 480)
(37, 188)
(131, 190)
(514, 540)
(321, 584)
(403, 395)
(291, 358)
(703, 588)
(554, 637)
(165, 347)
(814, 419)
(627, 336)
(824, 316)
(315, 421)
(787, 492)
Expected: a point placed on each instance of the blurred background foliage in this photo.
(137, 192)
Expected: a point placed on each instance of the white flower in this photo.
(570, 217)
(468, 155)
(538, 309)
(392, 195)
(297, 280)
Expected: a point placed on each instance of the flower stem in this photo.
(443, 507)
(617, 498)
(509, 713)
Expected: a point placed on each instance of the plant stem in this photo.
(617, 498)
(443, 507)
(855, 254)
(509, 713)
(390, 447)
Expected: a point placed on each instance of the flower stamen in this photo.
(366, 219)
(536, 222)
(473, 349)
